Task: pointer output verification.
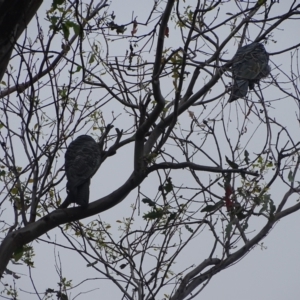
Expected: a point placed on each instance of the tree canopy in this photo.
(180, 166)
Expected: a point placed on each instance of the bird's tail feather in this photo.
(79, 195)
(239, 89)
(83, 194)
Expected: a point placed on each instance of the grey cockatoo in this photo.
(249, 65)
(82, 160)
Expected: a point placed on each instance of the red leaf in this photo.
(134, 28)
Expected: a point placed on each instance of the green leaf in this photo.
(210, 208)
(169, 186)
(92, 264)
(14, 191)
(260, 160)
(53, 20)
(188, 228)
(18, 253)
(232, 164)
(228, 229)
(265, 203)
(155, 214)
(257, 200)
(272, 208)
(290, 176)
(246, 155)
(92, 59)
(149, 202)
(66, 30)
(73, 25)
(55, 3)
(172, 216)
(240, 215)
(63, 296)
(77, 70)
(76, 28)
(121, 29)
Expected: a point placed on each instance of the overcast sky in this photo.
(271, 272)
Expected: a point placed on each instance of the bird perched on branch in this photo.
(249, 65)
(82, 160)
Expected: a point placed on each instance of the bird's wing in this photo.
(250, 62)
(82, 160)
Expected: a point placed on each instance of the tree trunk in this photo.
(15, 15)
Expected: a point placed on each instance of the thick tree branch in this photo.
(16, 239)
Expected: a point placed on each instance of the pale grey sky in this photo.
(269, 273)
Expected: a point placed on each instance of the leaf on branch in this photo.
(232, 164)
(175, 84)
(121, 29)
(246, 155)
(92, 264)
(66, 31)
(153, 215)
(267, 205)
(228, 193)
(210, 208)
(76, 28)
(272, 208)
(169, 186)
(188, 228)
(63, 296)
(77, 70)
(92, 59)
(134, 28)
(172, 216)
(228, 229)
(257, 200)
(18, 253)
(118, 28)
(191, 114)
(55, 3)
(149, 202)
(240, 215)
(14, 191)
(290, 176)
